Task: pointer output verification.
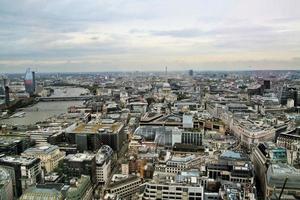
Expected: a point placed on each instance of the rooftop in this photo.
(231, 155)
(79, 157)
(277, 173)
(46, 149)
(41, 193)
(17, 160)
(104, 153)
(81, 182)
(98, 128)
(4, 177)
(7, 141)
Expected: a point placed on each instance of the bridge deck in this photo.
(69, 98)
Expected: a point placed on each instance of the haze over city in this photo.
(120, 35)
(149, 100)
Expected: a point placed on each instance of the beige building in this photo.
(50, 156)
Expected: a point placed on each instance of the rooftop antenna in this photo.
(166, 71)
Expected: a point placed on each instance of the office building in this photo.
(36, 193)
(233, 171)
(33, 81)
(288, 92)
(29, 82)
(177, 163)
(7, 98)
(79, 164)
(93, 135)
(288, 138)
(187, 121)
(79, 189)
(251, 132)
(194, 138)
(13, 144)
(263, 155)
(291, 141)
(6, 187)
(103, 164)
(125, 187)
(185, 185)
(267, 84)
(50, 156)
(275, 178)
(25, 172)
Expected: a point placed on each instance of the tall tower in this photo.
(7, 96)
(33, 81)
(28, 82)
(3, 84)
(166, 71)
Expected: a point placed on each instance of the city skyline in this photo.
(91, 36)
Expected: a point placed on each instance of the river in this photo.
(44, 110)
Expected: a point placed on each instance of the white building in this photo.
(103, 164)
(185, 185)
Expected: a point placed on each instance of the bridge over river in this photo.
(67, 98)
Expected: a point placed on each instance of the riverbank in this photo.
(20, 103)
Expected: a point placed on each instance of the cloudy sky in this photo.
(122, 35)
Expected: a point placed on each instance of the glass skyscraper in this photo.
(29, 81)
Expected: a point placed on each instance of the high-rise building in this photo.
(29, 81)
(288, 92)
(2, 86)
(7, 99)
(103, 164)
(267, 84)
(263, 155)
(92, 136)
(191, 72)
(25, 172)
(33, 81)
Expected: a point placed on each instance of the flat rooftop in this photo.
(98, 128)
(7, 141)
(4, 177)
(18, 160)
(79, 157)
(46, 149)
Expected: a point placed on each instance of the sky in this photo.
(147, 35)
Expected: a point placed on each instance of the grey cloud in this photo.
(232, 30)
(39, 30)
